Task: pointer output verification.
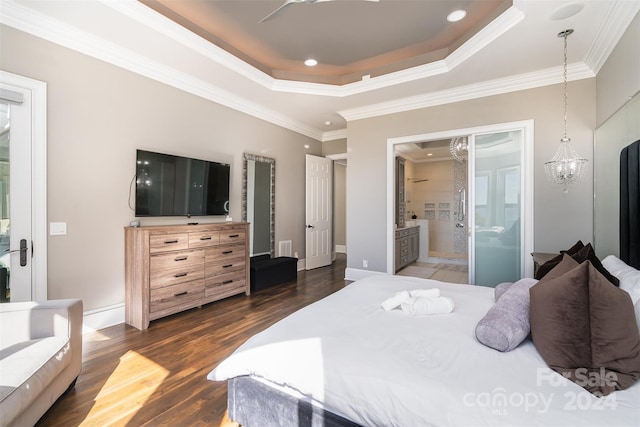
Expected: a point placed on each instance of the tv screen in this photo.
(168, 185)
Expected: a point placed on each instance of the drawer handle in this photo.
(227, 252)
(180, 275)
(226, 282)
(205, 238)
(234, 235)
(227, 266)
(179, 294)
(168, 242)
(181, 258)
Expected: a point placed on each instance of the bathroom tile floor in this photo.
(441, 270)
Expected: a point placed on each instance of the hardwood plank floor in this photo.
(157, 377)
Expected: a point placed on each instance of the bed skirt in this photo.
(254, 404)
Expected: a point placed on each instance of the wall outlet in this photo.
(365, 263)
(295, 254)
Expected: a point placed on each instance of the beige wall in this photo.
(559, 219)
(98, 114)
(619, 78)
(339, 146)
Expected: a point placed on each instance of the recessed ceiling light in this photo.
(310, 62)
(456, 15)
(327, 123)
(429, 154)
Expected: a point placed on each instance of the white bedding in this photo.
(393, 369)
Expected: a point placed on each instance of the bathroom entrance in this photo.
(435, 189)
(470, 190)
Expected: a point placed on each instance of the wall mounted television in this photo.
(168, 185)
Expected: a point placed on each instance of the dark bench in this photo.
(266, 271)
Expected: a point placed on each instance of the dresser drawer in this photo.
(231, 236)
(225, 253)
(225, 266)
(225, 284)
(177, 261)
(168, 242)
(162, 278)
(202, 239)
(175, 295)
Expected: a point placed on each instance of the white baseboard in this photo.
(341, 249)
(101, 318)
(357, 274)
(302, 264)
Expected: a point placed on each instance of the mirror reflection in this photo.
(258, 202)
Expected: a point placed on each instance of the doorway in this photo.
(497, 166)
(24, 171)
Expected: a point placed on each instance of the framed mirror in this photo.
(258, 202)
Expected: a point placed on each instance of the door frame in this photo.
(527, 127)
(38, 91)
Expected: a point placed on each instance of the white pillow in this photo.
(629, 280)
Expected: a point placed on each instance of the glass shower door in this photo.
(497, 207)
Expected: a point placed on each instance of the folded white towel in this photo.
(425, 293)
(434, 305)
(395, 301)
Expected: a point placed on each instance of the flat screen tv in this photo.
(168, 185)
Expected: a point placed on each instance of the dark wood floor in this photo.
(157, 377)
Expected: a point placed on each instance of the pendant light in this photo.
(566, 166)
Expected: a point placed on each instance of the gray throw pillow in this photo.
(501, 289)
(506, 324)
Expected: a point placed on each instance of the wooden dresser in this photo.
(169, 269)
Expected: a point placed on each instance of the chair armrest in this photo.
(34, 320)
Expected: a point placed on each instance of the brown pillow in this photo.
(580, 253)
(587, 253)
(549, 265)
(566, 263)
(585, 329)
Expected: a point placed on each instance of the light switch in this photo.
(57, 228)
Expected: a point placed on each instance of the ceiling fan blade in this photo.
(278, 10)
(289, 2)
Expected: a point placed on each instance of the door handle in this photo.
(23, 252)
(310, 226)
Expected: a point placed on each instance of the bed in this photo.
(345, 361)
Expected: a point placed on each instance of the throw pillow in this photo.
(549, 265)
(506, 324)
(580, 325)
(587, 253)
(629, 279)
(500, 289)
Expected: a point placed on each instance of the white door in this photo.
(319, 211)
(15, 195)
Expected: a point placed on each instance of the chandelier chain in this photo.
(565, 83)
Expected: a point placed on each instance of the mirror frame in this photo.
(272, 203)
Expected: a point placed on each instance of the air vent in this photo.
(284, 248)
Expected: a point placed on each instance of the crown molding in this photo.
(464, 93)
(334, 135)
(26, 19)
(610, 33)
(154, 20)
(35, 23)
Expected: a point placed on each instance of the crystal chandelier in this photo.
(566, 166)
(458, 148)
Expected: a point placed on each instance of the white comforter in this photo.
(382, 368)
